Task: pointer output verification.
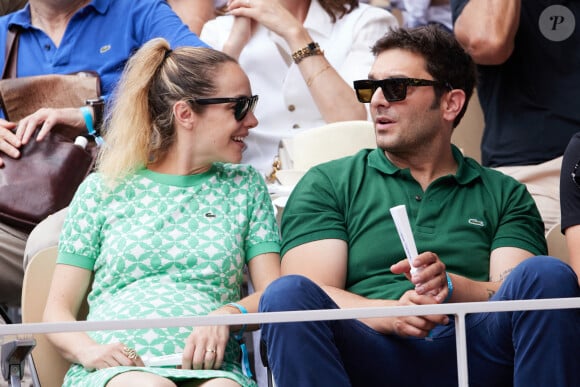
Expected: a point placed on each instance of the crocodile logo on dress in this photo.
(209, 215)
(105, 48)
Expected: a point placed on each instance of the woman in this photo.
(301, 57)
(166, 225)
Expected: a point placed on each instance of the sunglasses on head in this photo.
(242, 106)
(394, 89)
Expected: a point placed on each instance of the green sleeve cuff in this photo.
(75, 260)
(262, 248)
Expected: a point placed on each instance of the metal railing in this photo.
(459, 310)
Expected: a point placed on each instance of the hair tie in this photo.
(167, 53)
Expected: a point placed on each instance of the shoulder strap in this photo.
(11, 53)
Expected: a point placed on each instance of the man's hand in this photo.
(46, 119)
(431, 277)
(416, 326)
(9, 142)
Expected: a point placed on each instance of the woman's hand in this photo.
(239, 36)
(271, 14)
(205, 347)
(99, 356)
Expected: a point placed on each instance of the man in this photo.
(475, 229)
(528, 57)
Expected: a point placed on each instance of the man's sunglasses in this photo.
(242, 106)
(394, 89)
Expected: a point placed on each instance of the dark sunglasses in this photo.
(394, 89)
(242, 106)
(576, 174)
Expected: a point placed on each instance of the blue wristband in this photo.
(449, 288)
(88, 116)
(240, 339)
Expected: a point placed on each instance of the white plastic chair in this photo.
(48, 366)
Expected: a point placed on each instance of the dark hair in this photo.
(338, 8)
(447, 61)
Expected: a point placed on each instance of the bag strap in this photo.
(11, 54)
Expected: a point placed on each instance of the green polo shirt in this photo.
(461, 217)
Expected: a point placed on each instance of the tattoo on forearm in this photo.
(490, 293)
(502, 275)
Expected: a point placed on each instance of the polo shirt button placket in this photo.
(418, 198)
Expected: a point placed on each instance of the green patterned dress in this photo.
(165, 246)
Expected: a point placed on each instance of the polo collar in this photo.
(466, 170)
(21, 18)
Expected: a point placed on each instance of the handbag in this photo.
(45, 177)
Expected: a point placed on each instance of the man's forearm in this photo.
(486, 29)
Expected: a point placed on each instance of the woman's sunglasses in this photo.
(394, 89)
(242, 106)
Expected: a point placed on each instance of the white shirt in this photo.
(420, 13)
(286, 105)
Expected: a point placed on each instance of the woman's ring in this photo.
(130, 353)
(211, 350)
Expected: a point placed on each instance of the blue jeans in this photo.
(520, 348)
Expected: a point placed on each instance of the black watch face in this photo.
(95, 101)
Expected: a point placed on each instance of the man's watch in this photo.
(98, 105)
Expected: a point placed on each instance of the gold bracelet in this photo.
(311, 49)
(311, 79)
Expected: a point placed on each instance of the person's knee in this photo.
(290, 292)
(549, 276)
(141, 379)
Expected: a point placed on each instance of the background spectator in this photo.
(528, 56)
(312, 88)
(570, 200)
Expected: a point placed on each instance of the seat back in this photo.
(331, 141)
(557, 243)
(49, 364)
(324, 143)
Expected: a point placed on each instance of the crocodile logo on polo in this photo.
(476, 222)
